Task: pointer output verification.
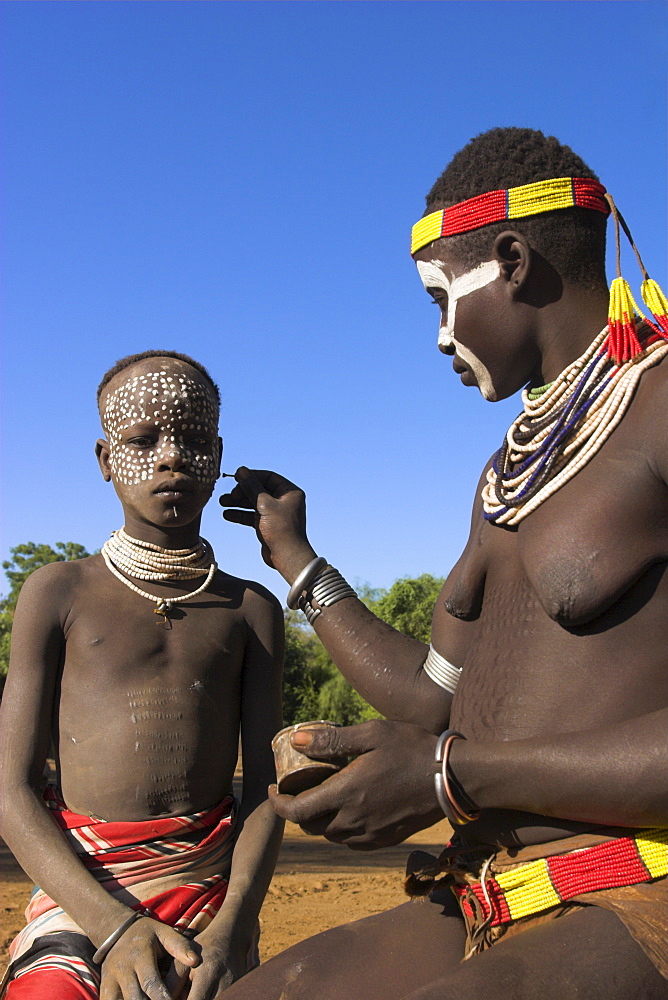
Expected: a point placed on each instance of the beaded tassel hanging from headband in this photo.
(622, 344)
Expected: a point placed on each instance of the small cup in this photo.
(296, 772)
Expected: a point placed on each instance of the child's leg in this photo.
(50, 984)
(58, 966)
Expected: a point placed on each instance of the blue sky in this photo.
(238, 180)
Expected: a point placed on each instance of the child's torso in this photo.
(146, 719)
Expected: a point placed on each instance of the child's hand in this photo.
(222, 964)
(131, 969)
(276, 508)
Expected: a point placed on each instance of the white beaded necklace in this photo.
(146, 561)
(524, 475)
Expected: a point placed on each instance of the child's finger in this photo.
(176, 978)
(177, 946)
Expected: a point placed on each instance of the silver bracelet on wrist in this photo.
(327, 588)
(304, 579)
(116, 935)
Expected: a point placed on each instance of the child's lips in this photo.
(172, 490)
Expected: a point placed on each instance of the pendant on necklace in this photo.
(163, 608)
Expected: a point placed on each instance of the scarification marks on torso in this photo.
(165, 752)
(489, 687)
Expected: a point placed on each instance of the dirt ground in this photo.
(332, 884)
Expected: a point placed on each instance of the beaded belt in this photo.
(544, 883)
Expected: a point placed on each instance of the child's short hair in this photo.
(132, 359)
(572, 239)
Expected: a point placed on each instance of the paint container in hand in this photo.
(294, 771)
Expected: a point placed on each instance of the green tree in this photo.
(409, 604)
(28, 557)
(25, 559)
(314, 688)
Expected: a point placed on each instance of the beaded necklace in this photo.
(563, 427)
(146, 561)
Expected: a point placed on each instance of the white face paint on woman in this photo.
(433, 275)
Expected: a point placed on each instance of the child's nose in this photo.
(172, 457)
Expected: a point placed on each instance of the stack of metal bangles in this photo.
(320, 582)
(445, 782)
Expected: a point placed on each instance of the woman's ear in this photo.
(513, 253)
(102, 453)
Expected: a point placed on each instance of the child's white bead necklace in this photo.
(590, 432)
(146, 561)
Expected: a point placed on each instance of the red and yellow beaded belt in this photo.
(544, 883)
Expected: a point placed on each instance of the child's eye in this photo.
(141, 442)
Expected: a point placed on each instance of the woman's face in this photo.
(478, 324)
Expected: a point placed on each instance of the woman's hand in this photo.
(382, 797)
(276, 508)
(132, 968)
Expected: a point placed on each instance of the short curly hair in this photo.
(571, 239)
(132, 359)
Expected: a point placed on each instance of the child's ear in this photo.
(102, 453)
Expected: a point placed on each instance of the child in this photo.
(143, 664)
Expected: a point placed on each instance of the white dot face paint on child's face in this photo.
(155, 416)
(433, 275)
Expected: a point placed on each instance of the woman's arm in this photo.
(385, 666)
(614, 776)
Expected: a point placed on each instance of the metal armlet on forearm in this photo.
(116, 935)
(445, 782)
(318, 582)
(441, 671)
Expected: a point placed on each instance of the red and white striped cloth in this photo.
(177, 867)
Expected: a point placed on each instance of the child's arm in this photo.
(227, 941)
(27, 709)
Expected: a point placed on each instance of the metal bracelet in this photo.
(304, 579)
(327, 588)
(454, 812)
(106, 946)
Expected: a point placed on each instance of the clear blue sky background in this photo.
(238, 181)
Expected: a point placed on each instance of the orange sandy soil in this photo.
(332, 885)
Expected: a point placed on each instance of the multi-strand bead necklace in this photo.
(145, 561)
(563, 427)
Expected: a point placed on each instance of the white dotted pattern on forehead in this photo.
(172, 409)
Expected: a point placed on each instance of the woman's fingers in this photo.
(246, 517)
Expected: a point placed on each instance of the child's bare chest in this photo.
(142, 707)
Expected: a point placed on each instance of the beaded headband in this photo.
(548, 196)
(514, 203)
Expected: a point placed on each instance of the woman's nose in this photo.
(445, 341)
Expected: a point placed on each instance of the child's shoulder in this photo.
(60, 578)
(252, 596)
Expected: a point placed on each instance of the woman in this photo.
(546, 677)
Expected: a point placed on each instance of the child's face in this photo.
(162, 451)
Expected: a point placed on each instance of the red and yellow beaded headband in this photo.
(513, 203)
(548, 196)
